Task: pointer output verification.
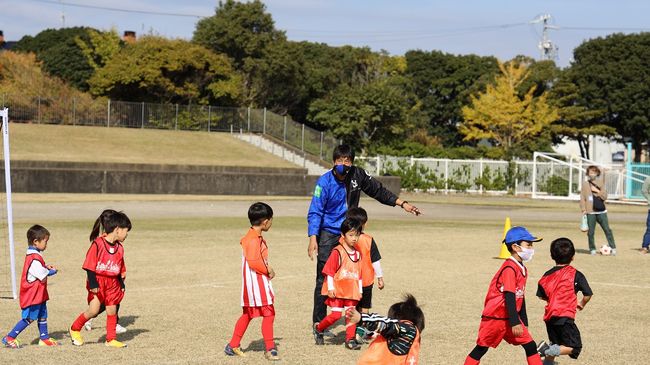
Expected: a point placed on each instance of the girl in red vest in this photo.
(342, 284)
(398, 340)
(33, 289)
(105, 269)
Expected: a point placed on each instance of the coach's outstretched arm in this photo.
(374, 189)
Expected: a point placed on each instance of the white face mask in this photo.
(526, 254)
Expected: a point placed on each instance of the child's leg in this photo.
(240, 329)
(111, 322)
(474, 357)
(350, 330)
(532, 356)
(18, 328)
(267, 332)
(329, 320)
(90, 312)
(42, 329)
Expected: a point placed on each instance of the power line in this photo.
(122, 10)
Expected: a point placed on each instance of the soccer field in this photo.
(183, 283)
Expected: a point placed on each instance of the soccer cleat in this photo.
(115, 343)
(272, 355)
(88, 326)
(592, 252)
(613, 252)
(11, 343)
(48, 342)
(119, 329)
(76, 338)
(318, 335)
(352, 345)
(234, 351)
(542, 347)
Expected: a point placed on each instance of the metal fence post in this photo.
(446, 176)
(142, 116)
(176, 119)
(74, 111)
(264, 122)
(108, 114)
(320, 155)
(628, 175)
(248, 111)
(480, 175)
(284, 133)
(378, 165)
(210, 118)
(302, 142)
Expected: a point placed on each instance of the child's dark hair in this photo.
(358, 213)
(258, 212)
(562, 251)
(343, 150)
(36, 233)
(408, 310)
(108, 221)
(351, 224)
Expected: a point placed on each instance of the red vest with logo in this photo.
(105, 259)
(379, 354)
(559, 287)
(495, 301)
(346, 280)
(35, 292)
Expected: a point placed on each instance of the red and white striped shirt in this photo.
(257, 290)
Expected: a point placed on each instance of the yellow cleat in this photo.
(48, 342)
(115, 343)
(76, 338)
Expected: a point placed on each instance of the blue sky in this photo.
(396, 26)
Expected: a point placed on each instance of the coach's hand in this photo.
(312, 248)
(518, 330)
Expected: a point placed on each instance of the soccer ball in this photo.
(605, 250)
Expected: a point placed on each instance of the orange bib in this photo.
(363, 246)
(346, 280)
(379, 354)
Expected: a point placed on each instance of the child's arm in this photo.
(582, 286)
(584, 301)
(37, 270)
(252, 251)
(400, 335)
(375, 258)
(329, 270)
(541, 293)
(508, 280)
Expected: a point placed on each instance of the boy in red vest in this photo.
(343, 283)
(33, 289)
(398, 340)
(257, 295)
(371, 267)
(504, 315)
(559, 288)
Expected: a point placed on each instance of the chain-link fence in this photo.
(110, 113)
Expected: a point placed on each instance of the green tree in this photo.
(613, 75)
(156, 69)
(100, 47)
(500, 115)
(60, 54)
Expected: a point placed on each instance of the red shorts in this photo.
(492, 331)
(110, 291)
(338, 304)
(263, 311)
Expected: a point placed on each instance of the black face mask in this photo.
(342, 170)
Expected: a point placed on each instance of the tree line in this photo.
(422, 103)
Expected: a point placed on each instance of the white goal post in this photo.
(4, 113)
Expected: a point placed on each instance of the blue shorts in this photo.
(36, 311)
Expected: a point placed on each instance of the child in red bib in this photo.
(559, 287)
(343, 284)
(33, 289)
(105, 270)
(398, 335)
(504, 315)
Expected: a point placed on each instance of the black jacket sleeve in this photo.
(374, 252)
(511, 307)
(522, 313)
(374, 189)
(92, 279)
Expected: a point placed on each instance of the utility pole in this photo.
(62, 14)
(548, 49)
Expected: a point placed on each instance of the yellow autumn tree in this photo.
(501, 115)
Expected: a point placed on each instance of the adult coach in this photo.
(335, 192)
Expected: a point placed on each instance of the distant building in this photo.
(5, 45)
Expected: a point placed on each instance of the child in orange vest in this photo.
(398, 342)
(343, 283)
(371, 267)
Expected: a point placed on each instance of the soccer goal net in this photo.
(8, 288)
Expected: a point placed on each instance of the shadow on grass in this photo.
(128, 336)
(258, 345)
(583, 251)
(61, 337)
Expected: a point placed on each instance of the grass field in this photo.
(183, 282)
(132, 145)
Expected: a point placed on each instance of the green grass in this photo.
(128, 145)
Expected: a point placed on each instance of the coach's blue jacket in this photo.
(333, 197)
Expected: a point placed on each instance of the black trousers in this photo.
(326, 243)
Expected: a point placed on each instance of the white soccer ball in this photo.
(605, 250)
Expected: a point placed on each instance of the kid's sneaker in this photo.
(76, 338)
(318, 335)
(11, 343)
(352, 345)
(115, 343)
(48, 342)
(88, 326)
(542, 347)
(272, 355)
(613, 252)
(119, 329)
(592, 252)
(236, 351)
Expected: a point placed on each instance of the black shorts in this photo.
(565, 333)
(366, 298)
